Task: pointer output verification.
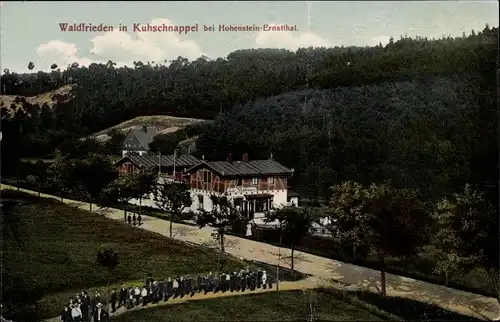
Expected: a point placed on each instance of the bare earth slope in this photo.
(164, 123)
(13, 103)
(324, 271)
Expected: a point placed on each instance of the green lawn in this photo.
(275, 306)
(50, 249)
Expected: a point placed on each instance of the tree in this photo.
(389, 221)
(95, 172)
(295, 224)
(443, 248)
(108, 259)
(222, 216)
(59, 177)
(121, 190)
(471, 222)
(173, 197)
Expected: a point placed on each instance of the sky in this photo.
(30, 31)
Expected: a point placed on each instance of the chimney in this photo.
(245, 157)
(271, 156)
(230, 157)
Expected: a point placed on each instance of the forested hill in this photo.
(419, 112)
(107, 95)
(420, 134)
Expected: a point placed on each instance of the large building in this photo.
(254, 186)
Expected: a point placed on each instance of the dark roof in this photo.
(144, 137)
(166, 161)
(249, 168)
(257, 196)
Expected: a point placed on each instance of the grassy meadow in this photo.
(50, 248)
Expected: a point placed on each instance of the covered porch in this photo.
(253, 204)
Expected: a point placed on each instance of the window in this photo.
(255, 181)
(207, 177)
(239, 182)
(270, 180)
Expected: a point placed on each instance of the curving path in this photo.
(324, 270)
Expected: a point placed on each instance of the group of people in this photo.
(84, 308)
(134, 220)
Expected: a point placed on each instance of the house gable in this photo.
(201, 166)
(132, 143)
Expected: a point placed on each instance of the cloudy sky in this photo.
(30, 31)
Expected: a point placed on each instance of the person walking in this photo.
(264, 279)
(123, 296)
(66, 314)
(114, 297)
(144, 295)
(139, 218)
(137, 295)
(100, 315)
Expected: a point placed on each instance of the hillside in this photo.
(165, 125)
(11, 104)
(419, 134)
(366, 119)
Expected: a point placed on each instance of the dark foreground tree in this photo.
(173, 197)
(108, 259)
(95, 172)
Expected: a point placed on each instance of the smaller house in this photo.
(162, 164)
(137, 141)
(168, 167)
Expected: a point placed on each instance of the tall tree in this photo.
(389, 221)
(121, 190)
(473, 223)
(295, 222)
(222, 216)
(95, 172)
(173, 197)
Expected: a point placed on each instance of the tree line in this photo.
(106, 95)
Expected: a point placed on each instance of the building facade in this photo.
(254, 186)
(137, 141)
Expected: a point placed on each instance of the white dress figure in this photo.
(249, 230)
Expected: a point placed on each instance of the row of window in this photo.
(207, 178)
(252, 206)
